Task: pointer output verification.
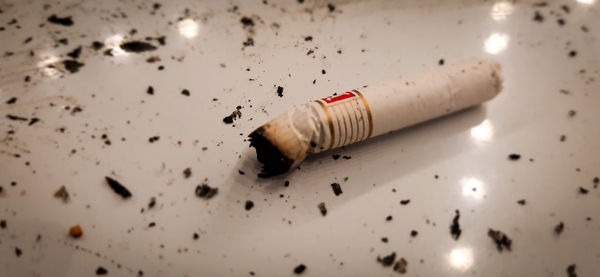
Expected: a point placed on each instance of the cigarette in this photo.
(356, 115)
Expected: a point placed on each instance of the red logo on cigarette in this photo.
(337, 98)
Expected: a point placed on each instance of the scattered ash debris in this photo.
(62, 194)
(249, 205)
(559, 228)
(137, 46)
(76, 232)
(206, 192)
(401, 266)
(248, 42)
(455, 230)
(387, 260)
(571, 271)
(64, 21)
(247, 21)
(118, 188)
(322, 208)
(502, 241)
(514, 157)
(187, 173)
(337, 189)
(235, 114)
(279, 91)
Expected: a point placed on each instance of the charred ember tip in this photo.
(274, 162)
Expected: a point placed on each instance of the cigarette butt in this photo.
(356, 115)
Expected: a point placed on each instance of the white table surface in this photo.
(204, 53)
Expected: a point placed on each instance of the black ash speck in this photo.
(137, 46)
(401, 266)
(27, 79)
(247, 21)
(118, 188)
(72, 66)
(16, 118)
(18, 251)
(331, 7)
(571, 271)
(33, 120)
(388, 218)
(596, 180)
(387, 260)
(559, 228)
(28, 40)
(521, 202)
(75, 53)
(572, 113)
(572, 53)
(101, 271)
(323, 71)
(337, 189)
(384, 240)
(152, 202)
(196, 236)
(346, 157)
(235, 114)
(64, 21)
(299, 269)
(514, 157)
(279, 91)
(248, 42)
(97, 45)
(11, 101)
(414, 233)
(404, 202)
(563, 138)
(2, 224)
(185, 92)
(538, 17)
(335, 156)
(150, 90)
(441, 62)
(501, 239)
(322, 208)
(151, 224)
(241, 172)
(566, 8)
(455, 230)
(308, 38)
(560, 21)
(583, 190)
(187, 173)
(153, 139)
(249, 205)
(206, 192)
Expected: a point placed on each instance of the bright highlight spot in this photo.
(483, 132)
(501, 10)
(496, 43)
(472, 187)
(461, 258)
(188, 28)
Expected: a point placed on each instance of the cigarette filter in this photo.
(356, 115)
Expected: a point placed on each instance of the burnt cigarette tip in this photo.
(274, 162)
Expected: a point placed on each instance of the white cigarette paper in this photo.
(357, 115)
